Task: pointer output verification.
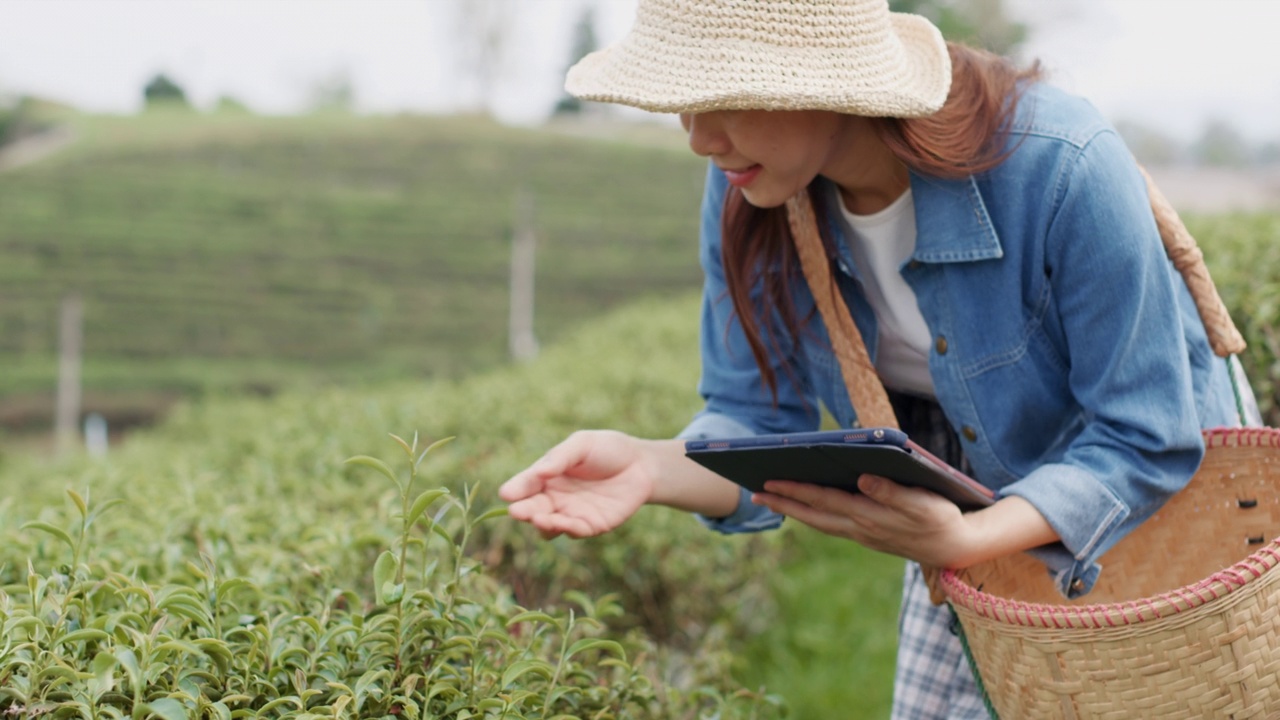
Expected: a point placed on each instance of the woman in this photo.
(993, 240)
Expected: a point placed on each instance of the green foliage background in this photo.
(258, 490)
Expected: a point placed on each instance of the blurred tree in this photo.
(18, 119)
(334, 93)
(483, 27)
(1269, 153)
(1221, 145)
(1149, 145)
(8, 113)
(231, 105)
(983, 23)
(584, 43)
(161, 91)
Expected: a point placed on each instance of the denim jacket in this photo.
(1067, 355)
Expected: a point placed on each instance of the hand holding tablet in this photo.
(836, 459)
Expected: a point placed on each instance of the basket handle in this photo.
(870, 401)
(1181, 248)
(867, 394)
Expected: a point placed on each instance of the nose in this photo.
(706, 133)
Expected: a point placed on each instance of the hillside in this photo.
(232, 252)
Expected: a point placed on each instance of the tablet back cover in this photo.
(836, 466)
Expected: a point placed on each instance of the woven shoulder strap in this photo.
(870, 401)
(867, 394)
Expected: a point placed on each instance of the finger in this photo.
(889, 493)
(877, 488)
(571, 452)
(815, 496)
(531, 507)
(827, 522)
(533, 479)
(563, 525)
(523, 484)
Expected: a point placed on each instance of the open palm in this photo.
(587, 485)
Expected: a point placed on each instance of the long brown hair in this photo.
(963, 138)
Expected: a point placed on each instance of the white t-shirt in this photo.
(881, 243)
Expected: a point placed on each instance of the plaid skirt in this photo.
(933, 680)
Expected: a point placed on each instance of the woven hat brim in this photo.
(754, 76)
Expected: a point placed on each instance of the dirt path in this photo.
(35, 148)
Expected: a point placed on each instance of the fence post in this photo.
(522, 342)
(70, 345)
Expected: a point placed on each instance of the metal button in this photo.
(1077, 585)
(913, 264)
(969, 433)
(941, 345)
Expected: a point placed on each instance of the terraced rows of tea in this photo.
(239, 252)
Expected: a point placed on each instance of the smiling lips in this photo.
(742, 178)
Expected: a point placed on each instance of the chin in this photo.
(764, 201)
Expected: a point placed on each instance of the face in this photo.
(770, 155)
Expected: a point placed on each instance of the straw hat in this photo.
(851, 56)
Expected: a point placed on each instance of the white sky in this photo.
(1170, 63)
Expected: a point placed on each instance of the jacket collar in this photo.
(952, 224)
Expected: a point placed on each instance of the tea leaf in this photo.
(52, 530)
(532, 616)
(129, 662)
(83, 635)
(166, 708)
(432, 446)
(439, 530)
(391, 593)
(226, 587)
(103, 664)
(81, 505)
(492, 513)
(519, 669)
(384, 573)
(100, 509)
(407, 449)
(265, 710)
(376, 464)
(594, 643)
(420, 505)
(196, 570)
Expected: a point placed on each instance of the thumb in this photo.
(555, 463)
(880, 489)
(571, 452)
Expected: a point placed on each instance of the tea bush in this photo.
(230, 564)
(1240, 252)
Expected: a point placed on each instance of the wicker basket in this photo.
(1172, 630)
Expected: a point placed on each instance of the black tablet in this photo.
(835, 459)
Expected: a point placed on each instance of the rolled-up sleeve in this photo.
(747, 516)
(1129, 367)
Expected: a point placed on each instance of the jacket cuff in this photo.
(714, 426)
(747, 516)
(1083, 511)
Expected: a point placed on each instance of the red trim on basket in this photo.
(1131, 612)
